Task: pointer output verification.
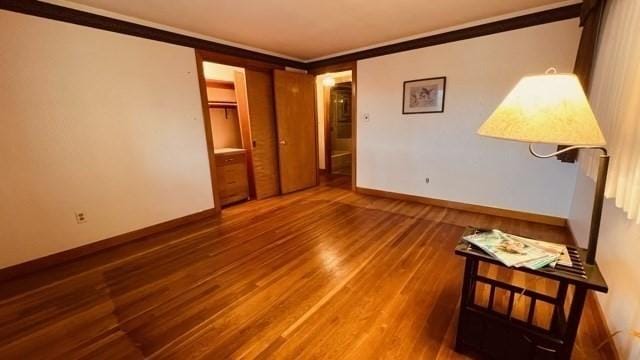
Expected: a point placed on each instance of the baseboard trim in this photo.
(94, 247)
(512, 214)
(599, 317)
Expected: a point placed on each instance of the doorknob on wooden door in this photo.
(283, 142)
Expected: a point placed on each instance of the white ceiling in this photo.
(306, 29)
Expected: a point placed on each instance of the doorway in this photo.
(260, 128)
(340, 129)
(335, 112)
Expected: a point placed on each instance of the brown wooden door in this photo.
(264, 145)
(295, 117)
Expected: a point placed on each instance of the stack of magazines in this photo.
(519, 251)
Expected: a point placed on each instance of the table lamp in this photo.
(553, 109)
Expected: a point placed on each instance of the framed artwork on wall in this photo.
(424, 96)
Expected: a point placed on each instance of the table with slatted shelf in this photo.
(499, 335)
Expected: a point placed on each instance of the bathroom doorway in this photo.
(335, 123)
(339, 145)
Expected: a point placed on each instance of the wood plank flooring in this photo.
(322, 273)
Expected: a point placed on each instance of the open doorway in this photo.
(335, 107)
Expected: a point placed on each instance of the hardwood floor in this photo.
(323, 273)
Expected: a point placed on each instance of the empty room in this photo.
(320, 180)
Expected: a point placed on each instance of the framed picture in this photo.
(424, 95)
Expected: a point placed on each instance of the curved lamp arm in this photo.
(598, 200)
(567, 149)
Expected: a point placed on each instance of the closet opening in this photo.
(260, 128)
(230, 131)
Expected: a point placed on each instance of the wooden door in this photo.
(296, 124)
(264, 146)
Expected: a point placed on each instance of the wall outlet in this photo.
(426, 180)
(81, 217)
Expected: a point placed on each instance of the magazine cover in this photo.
(559, 249)
(511, 251)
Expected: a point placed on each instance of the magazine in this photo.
(563, 259)
(513, 250)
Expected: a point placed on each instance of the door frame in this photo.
(219, 58)
(208, 133)
(326, 99)
(353, 66)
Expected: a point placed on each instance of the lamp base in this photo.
(596, 213)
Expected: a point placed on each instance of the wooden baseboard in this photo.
(610, 347)
(84, 250)
(512, 214)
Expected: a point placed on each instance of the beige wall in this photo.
(397, 152)
(615, 86)
(225, 125)
(617, 256)
(226, 128)
(98, 122)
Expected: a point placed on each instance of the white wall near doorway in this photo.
(98, 122)
(398, 152)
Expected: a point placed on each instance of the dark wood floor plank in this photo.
(321, 273)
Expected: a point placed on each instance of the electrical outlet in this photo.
(426, 180)
(81, 217)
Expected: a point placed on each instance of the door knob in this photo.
(283, 142)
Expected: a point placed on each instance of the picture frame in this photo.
(424, 96)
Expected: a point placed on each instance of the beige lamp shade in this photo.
(550, 109)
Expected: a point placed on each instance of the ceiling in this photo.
(308, 30)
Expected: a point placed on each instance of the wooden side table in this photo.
(482, 329)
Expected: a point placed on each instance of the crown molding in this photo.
(97, 21)
(109, 23)
(514, 23)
